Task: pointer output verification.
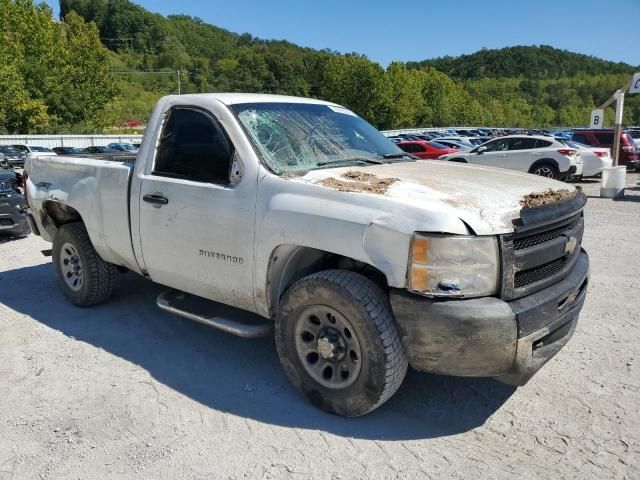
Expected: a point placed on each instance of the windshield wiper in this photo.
(391, 156)
(351, 160)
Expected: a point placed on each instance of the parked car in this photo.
(426, 150)
(544, 156)
(300, 212)
(635, 135)
(12, 155)
(455, 144)
(603, 138)
(123, 147)
(27, 149)
(31, 150)
(99, 149)
(471, 140)
(67, 150)
(13, 210)
(593, 159)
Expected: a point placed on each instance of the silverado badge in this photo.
(570, 246)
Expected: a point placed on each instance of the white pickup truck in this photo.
(300, 215)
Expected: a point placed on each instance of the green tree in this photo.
(89, 86)
(52, 75)
(360, 84)
(406, 96)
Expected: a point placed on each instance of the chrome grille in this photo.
(6, 186)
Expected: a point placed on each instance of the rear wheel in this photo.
(84, 277)
(338, 342)
(546, 169)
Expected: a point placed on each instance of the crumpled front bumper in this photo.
(488, 337)
(13, 215)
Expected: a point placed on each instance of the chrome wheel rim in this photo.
(544, 172)
(71, 266)
(328, 347)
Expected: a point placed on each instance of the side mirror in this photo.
(481, 150)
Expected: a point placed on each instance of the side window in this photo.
(406, 147)
(523, 143)
(497, 145)
(194, 147)
(418, 148)
(580, 138)
(542, 143)
(604, 138)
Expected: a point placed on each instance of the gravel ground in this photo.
(124, 390)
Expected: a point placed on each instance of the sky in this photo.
(415, 30)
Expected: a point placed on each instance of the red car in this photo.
(603, 138)
(425, 149)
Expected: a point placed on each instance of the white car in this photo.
(544, 156)
(594, 159)
(27, 149)
(34, 150)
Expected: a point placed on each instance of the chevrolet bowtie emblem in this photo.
(570, 246)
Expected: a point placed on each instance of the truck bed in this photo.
(97, 189)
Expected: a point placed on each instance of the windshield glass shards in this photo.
(301, 136)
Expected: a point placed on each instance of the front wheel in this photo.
(85, 278)
(338, 343)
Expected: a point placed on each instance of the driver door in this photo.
(495, 154)
(196, 219)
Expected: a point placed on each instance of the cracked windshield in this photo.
(301, 137)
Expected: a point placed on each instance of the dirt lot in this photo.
(127, 391)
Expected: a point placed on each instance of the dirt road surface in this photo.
(126, 391)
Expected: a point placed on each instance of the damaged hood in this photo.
(487, 199)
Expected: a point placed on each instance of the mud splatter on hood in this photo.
(487, 199)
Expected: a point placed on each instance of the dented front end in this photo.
(544, 277)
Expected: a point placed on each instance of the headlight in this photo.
(453, 266)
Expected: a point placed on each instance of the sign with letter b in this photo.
(635, 84)
(597, 118)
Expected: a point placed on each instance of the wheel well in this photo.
(290, 263)
(550, 161)
(458, 160)
(55, 214)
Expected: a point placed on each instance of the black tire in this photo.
(458, 160)
(366, 308)
(96, 276)
(545, 169)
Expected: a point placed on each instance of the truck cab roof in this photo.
(235, 98)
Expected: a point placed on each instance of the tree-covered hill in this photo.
(107, 61)
(532, 62)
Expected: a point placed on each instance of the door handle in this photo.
(155, 199)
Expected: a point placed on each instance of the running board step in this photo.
(199, 310)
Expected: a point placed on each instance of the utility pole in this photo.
(618, 126)
(179, 84)
(617, 97)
